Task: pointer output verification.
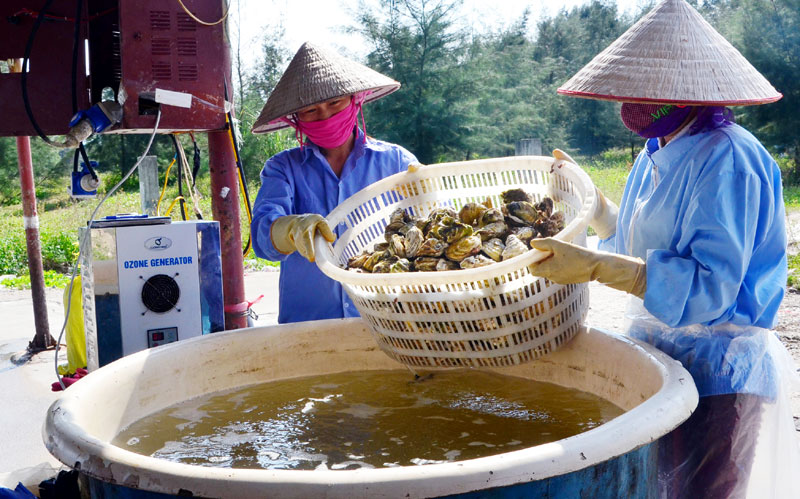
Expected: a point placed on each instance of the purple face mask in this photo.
(653, 120)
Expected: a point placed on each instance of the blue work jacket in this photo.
(705, 212)
(298, 181)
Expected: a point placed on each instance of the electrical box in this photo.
(147, 282)
(162, 47)
(135, 47)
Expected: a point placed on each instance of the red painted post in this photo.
(225, 207)
(42, 339)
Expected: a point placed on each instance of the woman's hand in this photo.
(572, 264)
(296, 232)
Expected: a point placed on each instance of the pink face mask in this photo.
(334, 131)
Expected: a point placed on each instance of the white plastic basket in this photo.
(491, 316)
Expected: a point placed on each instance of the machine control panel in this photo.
(161, 336)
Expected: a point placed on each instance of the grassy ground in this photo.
(59, 220)
(61, 216)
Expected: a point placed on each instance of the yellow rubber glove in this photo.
(296, 232)
(571, 264)
(604, 220)
(413, 167)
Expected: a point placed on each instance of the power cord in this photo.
(85, 235)
(204, 23)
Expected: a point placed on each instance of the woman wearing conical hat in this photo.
(320, 95)
(699, 240)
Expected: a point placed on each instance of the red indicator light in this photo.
(158, 336)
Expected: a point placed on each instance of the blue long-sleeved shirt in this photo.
(706, 214)
(298, 181)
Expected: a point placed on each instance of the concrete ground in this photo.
(26, 391)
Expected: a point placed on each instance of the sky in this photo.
(324, 21)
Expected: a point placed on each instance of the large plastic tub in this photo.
(616, 459)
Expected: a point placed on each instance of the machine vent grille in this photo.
(187, 72)
(161, 46)
(162, 70)
(159, 20)
(187, 46)
(186, 23)
(160, 293)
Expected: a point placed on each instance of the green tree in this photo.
(417, 43)
(568, 41)
(770, 40)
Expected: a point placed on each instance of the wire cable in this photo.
(83, 240)
(242, 178)
(164, 189)
(24, 78)
(190, 184)
(204, 23)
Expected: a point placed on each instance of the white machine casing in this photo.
(147, 284)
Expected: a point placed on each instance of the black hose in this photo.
(86, 160)
(196, 167)
(24, 79)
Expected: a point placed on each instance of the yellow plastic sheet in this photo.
(76, 337)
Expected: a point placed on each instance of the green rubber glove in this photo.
(571, 264)
(296, 232)
(604, 220)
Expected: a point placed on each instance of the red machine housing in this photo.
(135, 47)
(49, 89)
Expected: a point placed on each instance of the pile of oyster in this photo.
(478, 235)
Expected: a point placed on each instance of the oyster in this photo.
(463, 248)
(475, 261)
(551, 225)
(397, 246)
(522, 213)
(492, 230)
(381, 246)
(373, 260)
(426, 263)
(471, 213)
(438, 213)
(397, 220)
(545, 206)
(512, 195)
(357, 261)
(436, 216)
(449, 230)
(525, 234)
(382, 267)
(490, 216)
(493, 248)
(414, 240)
(431, 247)
(401, 265)
(514, 247)
(445, 264)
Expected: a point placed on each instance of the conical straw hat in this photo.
(315, 75)
(672, 55)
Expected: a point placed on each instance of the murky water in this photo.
(366, 419)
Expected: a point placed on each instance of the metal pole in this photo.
(225, 208)
(42, 340)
